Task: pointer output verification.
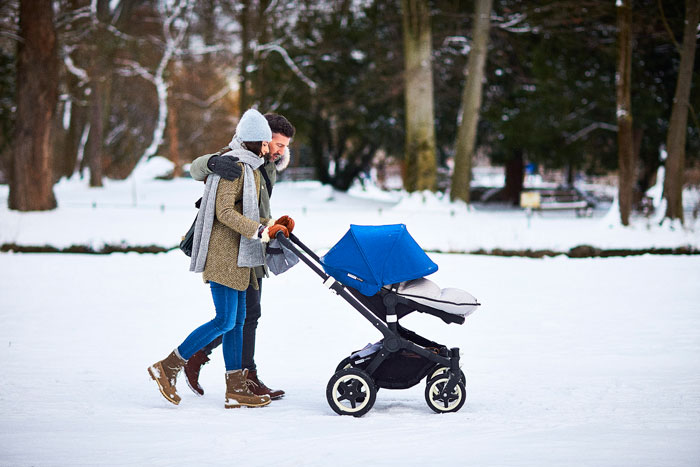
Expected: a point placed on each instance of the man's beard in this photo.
(270, 158)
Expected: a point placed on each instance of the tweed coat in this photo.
(229, 224)
(199, 171)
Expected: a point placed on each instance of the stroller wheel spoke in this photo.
(439, 400)
(351, 392)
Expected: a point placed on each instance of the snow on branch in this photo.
(580, 111)
(11, 35)
(271, 7)
(509, 24)
(593, 126)
(132, 68)
(458, 41)
(207, 103)
(265, 48)
(72, 68)
(203, 50)
(117, 33)
(177, 15)
(71, 16)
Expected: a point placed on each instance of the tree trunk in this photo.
(59, 135)
(515, 172)
(358, 161)
(99, 71)
(31, 180)
(96, 131)
(174, 139)
(262, 36)
(66, 151)
(421, 167)
(471, 104)
(677, 128)
(319, 143)
(625, 137)
(639, 183)
(208, 19)
(244, 21)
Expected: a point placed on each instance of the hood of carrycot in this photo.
(371, 256)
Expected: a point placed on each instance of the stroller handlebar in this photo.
(294, 240)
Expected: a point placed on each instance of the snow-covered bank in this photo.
(588, 362)
(146, 212)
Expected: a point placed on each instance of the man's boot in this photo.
(192, 368)
(238, 394)
(259, 388)
(164, 373)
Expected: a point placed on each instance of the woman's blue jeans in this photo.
(228, 323)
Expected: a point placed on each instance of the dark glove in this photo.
(225, 167)
(286, 221)
(270, 232)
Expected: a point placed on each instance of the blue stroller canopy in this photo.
(371, 256)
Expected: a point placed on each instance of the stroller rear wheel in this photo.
(351, 391)
(439, 400)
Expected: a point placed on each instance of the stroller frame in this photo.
(449, 380)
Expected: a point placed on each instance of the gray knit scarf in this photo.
(250, 251)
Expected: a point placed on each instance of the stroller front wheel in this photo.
(444, 369)
(345, 363)
(351, 391)
(439, 400)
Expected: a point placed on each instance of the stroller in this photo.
(380, 270)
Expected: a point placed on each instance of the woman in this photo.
(227, 246)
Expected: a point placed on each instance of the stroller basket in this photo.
(402, 369)
(379, 271)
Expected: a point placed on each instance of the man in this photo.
(228, 168)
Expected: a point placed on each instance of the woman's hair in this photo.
(254, 147)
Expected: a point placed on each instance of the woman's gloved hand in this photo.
(270, 232)
(286, 221)
(225, 167)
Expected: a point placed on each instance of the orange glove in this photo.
(287, 222)
(271, 232)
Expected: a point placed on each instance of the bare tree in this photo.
(176, 18)
(625, 136)
(471, 103)
(420, 167)
(91, 38)
(677, 129)
(31, 180)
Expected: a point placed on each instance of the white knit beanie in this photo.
(253, 127)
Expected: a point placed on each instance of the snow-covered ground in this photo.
(141, 211)
(587, 362)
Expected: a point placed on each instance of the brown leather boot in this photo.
(164, 373)
(192, 368)
(238, 394)
(259, 388)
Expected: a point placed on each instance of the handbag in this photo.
(188, 239)
(279, 258)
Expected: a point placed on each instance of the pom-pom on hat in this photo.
(253, 127)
